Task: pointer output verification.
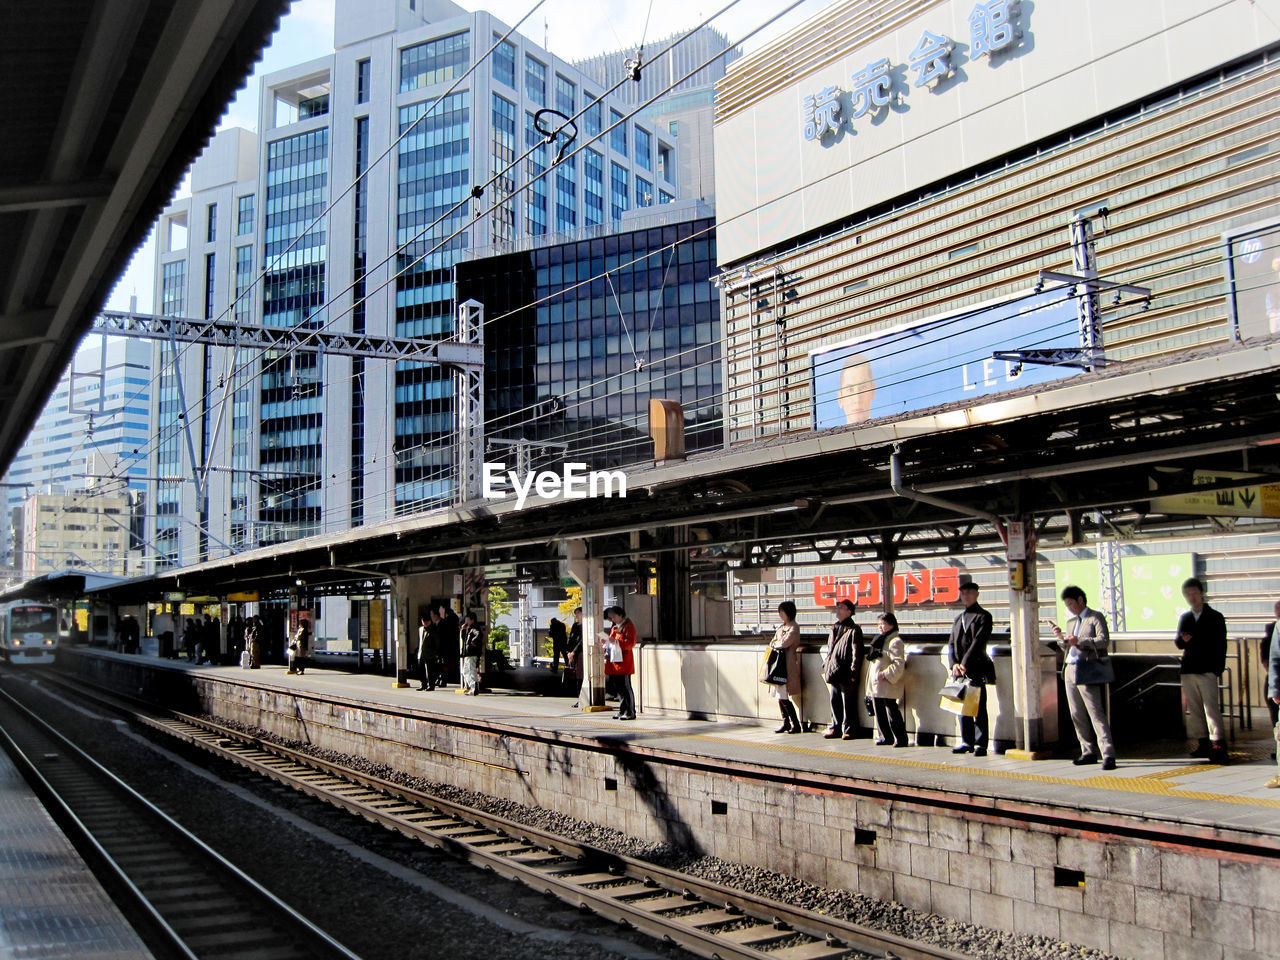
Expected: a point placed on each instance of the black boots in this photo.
(1201, 752)
(1218, 752)
(790, 719)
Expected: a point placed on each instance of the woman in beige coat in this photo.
(787, 639)
(886, 664)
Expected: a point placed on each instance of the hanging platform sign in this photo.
(1261, 500)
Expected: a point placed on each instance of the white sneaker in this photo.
(1273, 782)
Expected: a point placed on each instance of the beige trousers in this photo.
(1200, 691)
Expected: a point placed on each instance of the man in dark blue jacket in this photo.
(1202, 638)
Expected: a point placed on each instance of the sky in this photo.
(572, 29)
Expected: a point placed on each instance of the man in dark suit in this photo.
(967, 657)
(1202, 638)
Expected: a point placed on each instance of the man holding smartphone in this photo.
(1086, 675)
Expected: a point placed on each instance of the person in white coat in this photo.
(886, 665)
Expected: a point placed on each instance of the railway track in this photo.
(706, 918)
(185, 899)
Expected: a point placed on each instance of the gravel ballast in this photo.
(889, 916)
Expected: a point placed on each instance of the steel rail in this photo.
(707, 918)
(80, 790)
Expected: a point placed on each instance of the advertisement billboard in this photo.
(1253, 280)
(939, 360)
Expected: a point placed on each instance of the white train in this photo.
(29, 631)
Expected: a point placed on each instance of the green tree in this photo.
(499, 604)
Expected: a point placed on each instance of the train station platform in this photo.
(1163, 847)
(51, 905)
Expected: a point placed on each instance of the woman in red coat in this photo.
(619, 662)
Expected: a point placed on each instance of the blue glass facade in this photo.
(617, 132)
(503, 155)
(535, 166)
(244, 215)
(433, 185)
(593, 187)
(436, 61)
(168, 504)
(565, 370)
(535, 80)
(644, 149)
(644, 193)
(504, 61)
(567, 193)
(289, 446)
(566, 96)
(619, 184)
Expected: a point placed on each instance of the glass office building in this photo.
(300, 443)
(579, 337)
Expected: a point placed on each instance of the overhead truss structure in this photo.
(227, 333)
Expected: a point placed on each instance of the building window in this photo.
(567, 193)
(593, 187)
(535, 81)
(504, 155)
(566, 96)
(244, 215)
(644, 193)
(536, 167)
(644, 149)
(211, 223)
(665, 170)
(664, 197)
(434, 179)
(618, 190)
(673, 128)
(173, 288)
(591, 117)
(313, 107)
(244, 278)
(618, 132)
(504, 61)
(210, 279)
(360, 229)
(436, 61)
(363, 78)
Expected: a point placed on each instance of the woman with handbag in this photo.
(886, 664)
(1086, 674)
(784, 659)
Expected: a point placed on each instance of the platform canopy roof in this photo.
(61, 585)
(1081, 461)
(105, 105)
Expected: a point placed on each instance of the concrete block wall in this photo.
(927, 850)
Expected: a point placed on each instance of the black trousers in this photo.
(971, 727)
(844, 707)
(626, 696)
(889, 720)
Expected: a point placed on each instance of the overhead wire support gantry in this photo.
(227, 333)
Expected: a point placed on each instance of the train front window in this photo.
(33, 620)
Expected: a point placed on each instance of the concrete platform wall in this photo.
(947, 853)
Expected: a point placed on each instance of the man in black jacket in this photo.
(967, 657)
(841, 669)
(1202, 638)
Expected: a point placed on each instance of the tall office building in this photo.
(270, 447)
(94, 424)
(690, 68)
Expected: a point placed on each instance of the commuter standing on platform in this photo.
(886, 667)
(450, 635)
(471, 641)
(1086, 641)
(1273, 688)
(786, 640)
(253, 641)
(1269, 641)
(426, 651)
(300, 648)
(968, 659)
(620, 642)
(574, 653)
(841, 668)
(559, 643)
(1202, 638)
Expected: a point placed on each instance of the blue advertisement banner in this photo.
(941, 360)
